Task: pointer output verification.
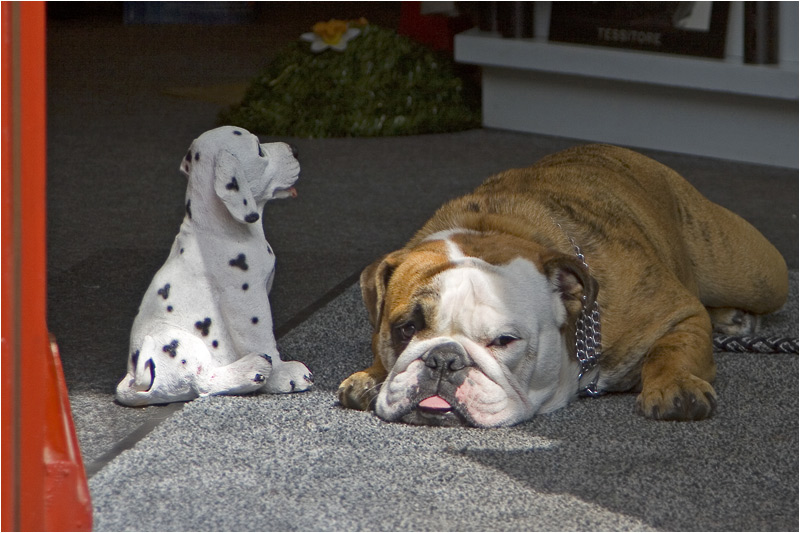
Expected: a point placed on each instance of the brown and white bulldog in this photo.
(475, 318)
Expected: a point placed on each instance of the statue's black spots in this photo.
(197, 156)
(254, 320)
(203, 326)
(233, 185)
(239, 262)
(171, 348)
(189, 155)
(135, 358)
(267, 357)
(169, 309)
(164, 291)
(215, 343)
(237, 132)
(245, 286)
(252, 217)
(189, 207)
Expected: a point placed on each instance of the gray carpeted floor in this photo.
(116, 135)
(303, 463)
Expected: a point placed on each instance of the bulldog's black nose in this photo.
(447, 358)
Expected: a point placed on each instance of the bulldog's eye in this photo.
(407, 331)
(403, 333)
(503, 340)
(405, 328)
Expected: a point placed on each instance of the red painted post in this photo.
(44, 486)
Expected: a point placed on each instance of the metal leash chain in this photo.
(588, 338)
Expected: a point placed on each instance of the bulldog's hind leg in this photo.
(678, 370)
(734, 265)
(730, 321)
(360, 389)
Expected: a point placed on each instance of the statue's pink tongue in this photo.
(436, 403)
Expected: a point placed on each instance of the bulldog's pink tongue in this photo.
(435, 403)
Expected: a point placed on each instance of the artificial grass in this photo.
(382, 84)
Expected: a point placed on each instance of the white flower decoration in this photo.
(332, 34)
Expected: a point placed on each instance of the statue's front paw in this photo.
(288, 376)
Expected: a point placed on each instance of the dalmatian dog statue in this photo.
(204, 326)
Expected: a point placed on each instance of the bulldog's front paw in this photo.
(359, 391)
(288, 376)
(685, 398)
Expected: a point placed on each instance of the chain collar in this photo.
(588, 346)
(588, 339)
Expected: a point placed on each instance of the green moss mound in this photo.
(382, 84)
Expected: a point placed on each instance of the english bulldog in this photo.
(492, 312)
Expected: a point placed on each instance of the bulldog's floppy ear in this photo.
(573, 281)
(374, 280)
(230, 184)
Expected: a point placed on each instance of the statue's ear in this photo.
(572, 279)
(232, 187)
(374, 280)
(186, 163)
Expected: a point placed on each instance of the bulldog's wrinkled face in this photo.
(471, 341)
